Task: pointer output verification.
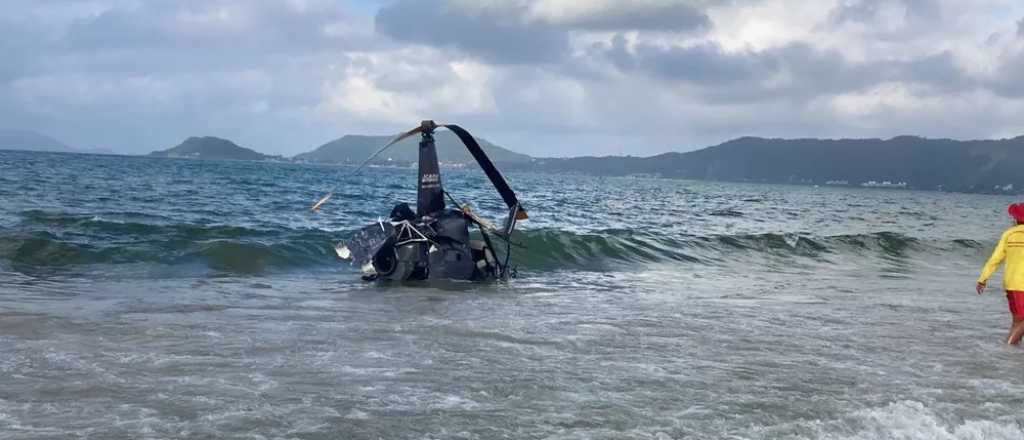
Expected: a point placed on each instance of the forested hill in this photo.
(450, 150)
(910, 161)
(209, 147)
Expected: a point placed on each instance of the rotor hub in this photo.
(428, 126)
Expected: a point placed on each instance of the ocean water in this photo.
(162, 298)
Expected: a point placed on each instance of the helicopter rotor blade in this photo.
(490, 170)
(395, 140)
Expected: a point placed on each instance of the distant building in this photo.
(884, 184)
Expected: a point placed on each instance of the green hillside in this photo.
(904, 161)
(209, 147)
(356, 148)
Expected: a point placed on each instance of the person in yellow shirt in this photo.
(1011, 249)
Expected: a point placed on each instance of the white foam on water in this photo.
(996, 387)
(357, 415)
(262, 382)
(368, 371)
(792, 240)
(455, 402)
(131, 358)
(911, 420)
(140, 420)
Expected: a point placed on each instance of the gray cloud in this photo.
(16, 45)
(704, 63)
(162, 70)
(229, 28)
(938, 70)
(1006, 80)
(677, 16)
(599, 77)
(796, 71)
(498, 35)
(508, 33)
(869, 10)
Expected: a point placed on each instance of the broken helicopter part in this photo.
(434, 241)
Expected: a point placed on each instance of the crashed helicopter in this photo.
(434, 241)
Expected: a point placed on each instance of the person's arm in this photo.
(993, 263)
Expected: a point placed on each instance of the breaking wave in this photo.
(61, 240)
(57, 241)
(909, 420)
(552, 248)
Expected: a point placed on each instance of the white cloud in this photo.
(769, 23)
(403, 87)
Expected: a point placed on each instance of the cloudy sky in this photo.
(545, 77)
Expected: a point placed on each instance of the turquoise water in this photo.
(168, 298)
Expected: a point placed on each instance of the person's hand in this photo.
(980, 288)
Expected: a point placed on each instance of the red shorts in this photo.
(1016, 300)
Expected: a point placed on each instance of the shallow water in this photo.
(147, 298)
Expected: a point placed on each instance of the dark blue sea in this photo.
(167, 298)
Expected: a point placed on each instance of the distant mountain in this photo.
(905, 161)
(209, 147)
(356, 148)
(30, 141)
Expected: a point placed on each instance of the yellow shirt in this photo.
(1011, 249)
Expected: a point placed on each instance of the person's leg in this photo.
(1015, 300)
(1016, 331)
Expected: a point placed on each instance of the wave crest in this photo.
(61, 240)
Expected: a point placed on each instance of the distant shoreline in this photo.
(522, 168)
(905, 162)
